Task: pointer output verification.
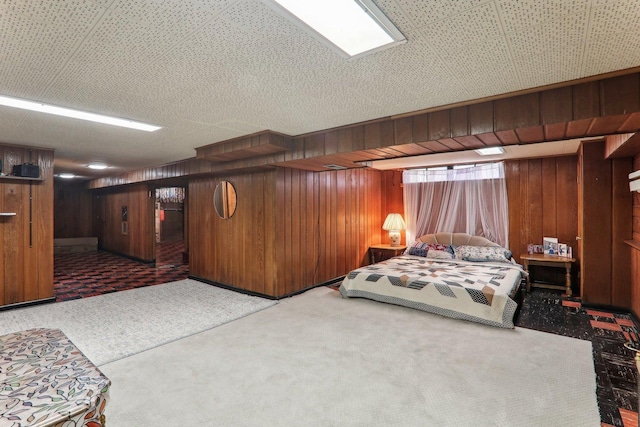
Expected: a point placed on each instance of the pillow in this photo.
(434, 253)
(419, 248)
(483, 253)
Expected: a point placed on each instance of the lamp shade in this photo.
(394, 221)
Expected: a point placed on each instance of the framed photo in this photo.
(550, 245)
(563, 250)
(534, 249)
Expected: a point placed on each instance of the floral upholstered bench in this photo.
(46, 381)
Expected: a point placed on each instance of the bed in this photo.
(452, 274)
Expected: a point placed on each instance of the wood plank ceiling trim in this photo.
(592, 108)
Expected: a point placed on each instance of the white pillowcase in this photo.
(433, 253)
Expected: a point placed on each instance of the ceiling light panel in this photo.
(489, 151)
(354, 27)
(75, 114)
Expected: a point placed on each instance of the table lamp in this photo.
(394, 223)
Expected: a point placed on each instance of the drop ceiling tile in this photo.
(476, 52)
(517, 16)
(557, 54)
(612, 42)
(426, 13)
(38, 38)
(396, 14)
(470, 26)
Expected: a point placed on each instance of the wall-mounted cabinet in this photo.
(26, 227)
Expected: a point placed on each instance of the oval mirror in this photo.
(224, 199)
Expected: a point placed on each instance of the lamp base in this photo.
(394, 238)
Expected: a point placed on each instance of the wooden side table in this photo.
(548, 261)
(379, 253)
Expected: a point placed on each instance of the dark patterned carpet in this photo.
(616, 373)
(88, 274)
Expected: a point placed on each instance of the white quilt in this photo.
(477, 291)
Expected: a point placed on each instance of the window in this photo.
(470, 199)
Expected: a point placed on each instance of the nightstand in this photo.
(379, 253)
(548, 261)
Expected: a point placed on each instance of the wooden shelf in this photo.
(19, 178)
(633, 243)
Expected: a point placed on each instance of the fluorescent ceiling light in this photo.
(354, 26)
(490, 151)
(67, 175)
(98, 166)
(76, 114)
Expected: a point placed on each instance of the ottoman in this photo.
(46, 381)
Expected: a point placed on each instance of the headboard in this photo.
(456, 239)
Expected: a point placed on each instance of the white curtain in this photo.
(469, 200)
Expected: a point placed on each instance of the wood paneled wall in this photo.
(139, 240)
(26, 250)
(636, 204)
(330, 220)
(239, 251)
(635, 249)
(291, 229)
(392, 200)
(543, 201)
(72, 210)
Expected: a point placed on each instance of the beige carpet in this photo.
(319, 360)
(112, 326)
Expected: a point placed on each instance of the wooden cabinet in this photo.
(26, 245)
(383, 252)
(604, 223)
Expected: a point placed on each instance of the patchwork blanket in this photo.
(476, 291)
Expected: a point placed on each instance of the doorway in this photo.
(170, 236)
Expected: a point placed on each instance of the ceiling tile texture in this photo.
(208, 71)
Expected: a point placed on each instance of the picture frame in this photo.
(550, 245)
(534, 249)
(562, 250)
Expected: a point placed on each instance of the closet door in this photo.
(594, 226)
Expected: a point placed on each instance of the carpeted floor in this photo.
(543, 310)
(318, 359)
(109, 327)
